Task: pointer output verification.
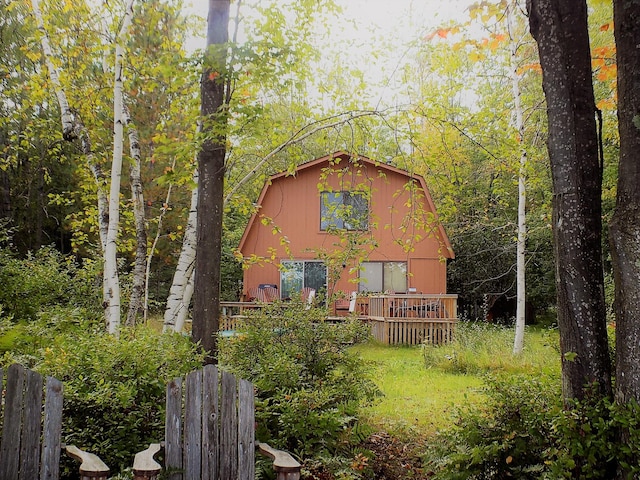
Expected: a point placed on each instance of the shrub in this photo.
(309, 385)
(45, 279)
(114, 390)
(524, 432)
(508, 437)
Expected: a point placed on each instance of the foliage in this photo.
(482, 347)
(524, 432)
(44, 279)
(507, 437)
(114, 389)
(309, 385)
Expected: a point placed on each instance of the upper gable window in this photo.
(344, 210)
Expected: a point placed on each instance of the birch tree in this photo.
(518, 342)
(181, 290)
(72, 126)
(139, 280)
(112, 283)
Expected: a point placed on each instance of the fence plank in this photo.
(10, 447)
(1, 390)
(228, 427)
(246, 431)
(31, 427)
(192, 457)
(210, 419)
(173, 430)
(52, 438)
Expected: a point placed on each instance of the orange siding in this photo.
(287, 225)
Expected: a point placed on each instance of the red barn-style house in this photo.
(347, 226)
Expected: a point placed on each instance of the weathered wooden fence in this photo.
(31, 429)
(22, 455)
(210, 431)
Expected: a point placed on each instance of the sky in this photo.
(375, 35)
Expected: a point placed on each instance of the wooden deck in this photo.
(397, 319)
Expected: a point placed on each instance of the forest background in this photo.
(459, 102)
(439, 104)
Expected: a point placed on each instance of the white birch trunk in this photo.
(518, 343)
(112, 285)
(72, 126)
(182, 286)
(139, 280)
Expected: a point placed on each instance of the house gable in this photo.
(403, 219)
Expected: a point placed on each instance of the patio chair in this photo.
(345, 306)
(270, 294)
(308, 296)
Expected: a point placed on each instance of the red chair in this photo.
(270, 294)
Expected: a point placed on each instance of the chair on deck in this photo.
(308, 296)
(210, 432)
(31, 433)
(345, 306)
(270, 294)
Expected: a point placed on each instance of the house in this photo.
(344, 223)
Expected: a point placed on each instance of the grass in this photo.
(423, 387)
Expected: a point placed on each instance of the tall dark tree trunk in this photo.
(625, 224)
(206, 309)
(560, 29)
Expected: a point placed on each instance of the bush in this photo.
(524, 432)
(508, 437)
(309, 385)
(45, 279)
(114, 390)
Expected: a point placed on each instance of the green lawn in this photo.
(421, 400)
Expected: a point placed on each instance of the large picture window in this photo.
(296, 275)
(344, 210)
(383, 277)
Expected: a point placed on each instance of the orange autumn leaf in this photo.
(213, 75)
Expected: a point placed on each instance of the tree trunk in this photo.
(180, 293)
(139, 283)
(518, 341)
(560, 29)
(112, 282)
(625, 224)
(211, 166)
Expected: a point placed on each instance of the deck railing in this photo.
(397, 319)
(412, 319)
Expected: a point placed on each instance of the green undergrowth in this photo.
(424, 387)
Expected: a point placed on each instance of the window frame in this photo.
(344, 210)
(289, 292)
(362, 287)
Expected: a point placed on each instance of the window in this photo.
(296, 275)
(344, 210)
(383, 277)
